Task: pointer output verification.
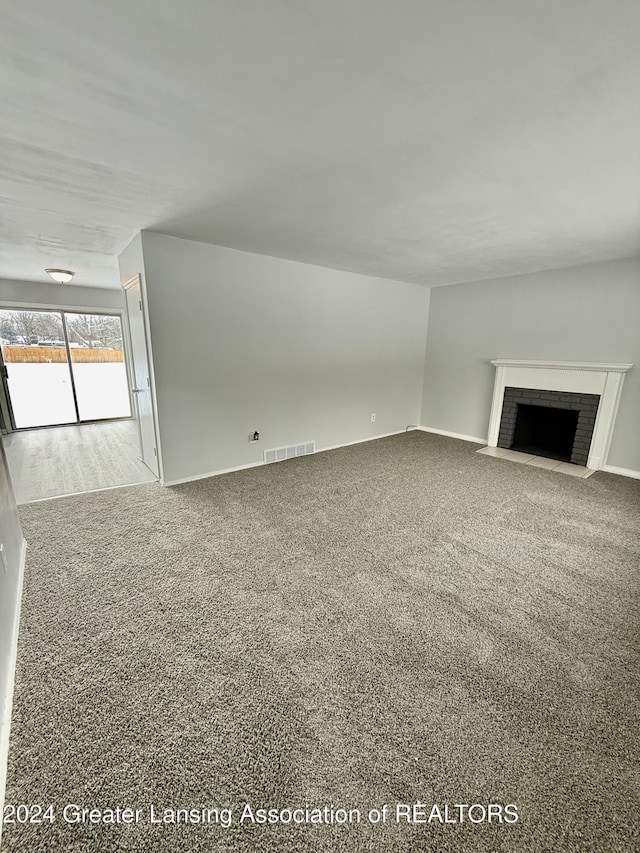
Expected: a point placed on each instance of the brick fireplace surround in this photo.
(586, 405)
(593, 389)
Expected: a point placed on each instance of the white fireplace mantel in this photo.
(579, 377)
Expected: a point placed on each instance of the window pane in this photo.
(37, 370)
(99, 371)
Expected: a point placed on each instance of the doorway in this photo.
(140, 372)
(62, 367)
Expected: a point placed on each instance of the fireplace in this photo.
(545, 432)
(555, 424)
(559, 409)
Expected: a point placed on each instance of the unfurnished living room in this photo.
(320, 406)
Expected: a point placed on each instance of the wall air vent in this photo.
(278, 454)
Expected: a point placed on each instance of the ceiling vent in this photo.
(279, 454)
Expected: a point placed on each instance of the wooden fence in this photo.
(44, 355)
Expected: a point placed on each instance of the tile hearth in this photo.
(538, 461)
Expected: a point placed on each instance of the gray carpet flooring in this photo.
(403, 621)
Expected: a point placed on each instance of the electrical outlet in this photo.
(373, 418)
(254, 436)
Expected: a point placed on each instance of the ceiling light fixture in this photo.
(61, 276)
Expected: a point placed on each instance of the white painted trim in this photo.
(599, 378)
(496, 406)
(605, 419)
(564, 365)
(258, 464)
(358, 441)
(474, 438)
(212, 474)
(622, 472)
(71, 309)
(141, 279)
(7, 690)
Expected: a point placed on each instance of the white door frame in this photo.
(130, 283)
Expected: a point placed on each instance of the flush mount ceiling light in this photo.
(61, 276)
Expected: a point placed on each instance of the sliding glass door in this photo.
(62, 367)
(97, 360)
(36, 368)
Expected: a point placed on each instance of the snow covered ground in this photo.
(41, 394)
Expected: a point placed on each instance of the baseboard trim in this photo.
(258, 464)
(449, 434)
(360, 441)
(211, 474)
(7, 690)
(622, 472)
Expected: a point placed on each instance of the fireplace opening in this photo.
(545, 431)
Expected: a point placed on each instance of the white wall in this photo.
(42, 294)
(11, 568)
(298, 352)
(586, 313)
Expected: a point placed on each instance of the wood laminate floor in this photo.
(65, 460)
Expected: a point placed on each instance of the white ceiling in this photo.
(423, 141)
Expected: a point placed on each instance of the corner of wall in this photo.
(420, 418)
(6, 705)
(11, 581)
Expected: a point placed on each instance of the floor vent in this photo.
(278, 454)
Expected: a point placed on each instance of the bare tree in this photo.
(89, 330)
(26, 326)
(95, 330)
